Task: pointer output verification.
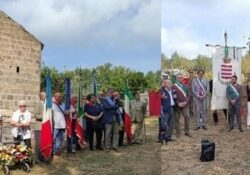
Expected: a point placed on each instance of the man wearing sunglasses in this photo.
(20, 121)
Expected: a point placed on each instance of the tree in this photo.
(153, 80)
(164, 62)
(137, 81)
(203, 62)
(107, 76)
(180, 62)
(57, 78)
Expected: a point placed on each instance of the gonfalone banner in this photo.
(226, 63)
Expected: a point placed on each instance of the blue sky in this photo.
(187, 25)
(88, 33)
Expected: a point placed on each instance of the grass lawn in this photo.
(132, 159)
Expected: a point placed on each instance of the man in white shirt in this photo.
(20, 121)
(59, 123)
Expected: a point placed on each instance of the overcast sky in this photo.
(93, 32)
(187, 25)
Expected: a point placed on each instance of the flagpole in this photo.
(226, 55)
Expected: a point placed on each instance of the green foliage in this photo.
(107, 76)
(245, 64)
(137, 81)
(153, 79)
(178, 61)
(203, 62)
(56, 76)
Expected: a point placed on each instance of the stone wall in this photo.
(20, 59)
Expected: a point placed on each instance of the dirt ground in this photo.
(180, 157)
(133, 159)
(232, 152)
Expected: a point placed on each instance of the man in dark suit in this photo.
(167, 112)
(233, 92)
(112, 120)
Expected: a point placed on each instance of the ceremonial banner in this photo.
(226, 63)
(94, 84)
(46, 140)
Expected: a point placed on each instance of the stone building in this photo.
(20, 60)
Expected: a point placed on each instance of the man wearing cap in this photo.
(200, 89)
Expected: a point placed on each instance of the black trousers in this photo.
(234, 111)
(159, 130)
(121, 132)
(215, 115)
(121, 136)
(26, 141)
(94, 128)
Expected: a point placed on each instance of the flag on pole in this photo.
(79, 123)
(127, 120)
(94, 84)
(46, 139)
(67, 107)
(226, 63)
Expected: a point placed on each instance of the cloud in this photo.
(181, 40)
(147, 21)
(189, 25)
(88, 22)
(93, 32)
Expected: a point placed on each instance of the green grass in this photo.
(132, 160)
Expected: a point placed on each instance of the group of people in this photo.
(177, 98)
(103, 116)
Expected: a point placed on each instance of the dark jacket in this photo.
(166, 102)
(179, 95)
(110, 110)
(248, 93)
(231, 95)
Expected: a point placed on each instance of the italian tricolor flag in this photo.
(46, 139)
(79, 127)
(127, 122)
